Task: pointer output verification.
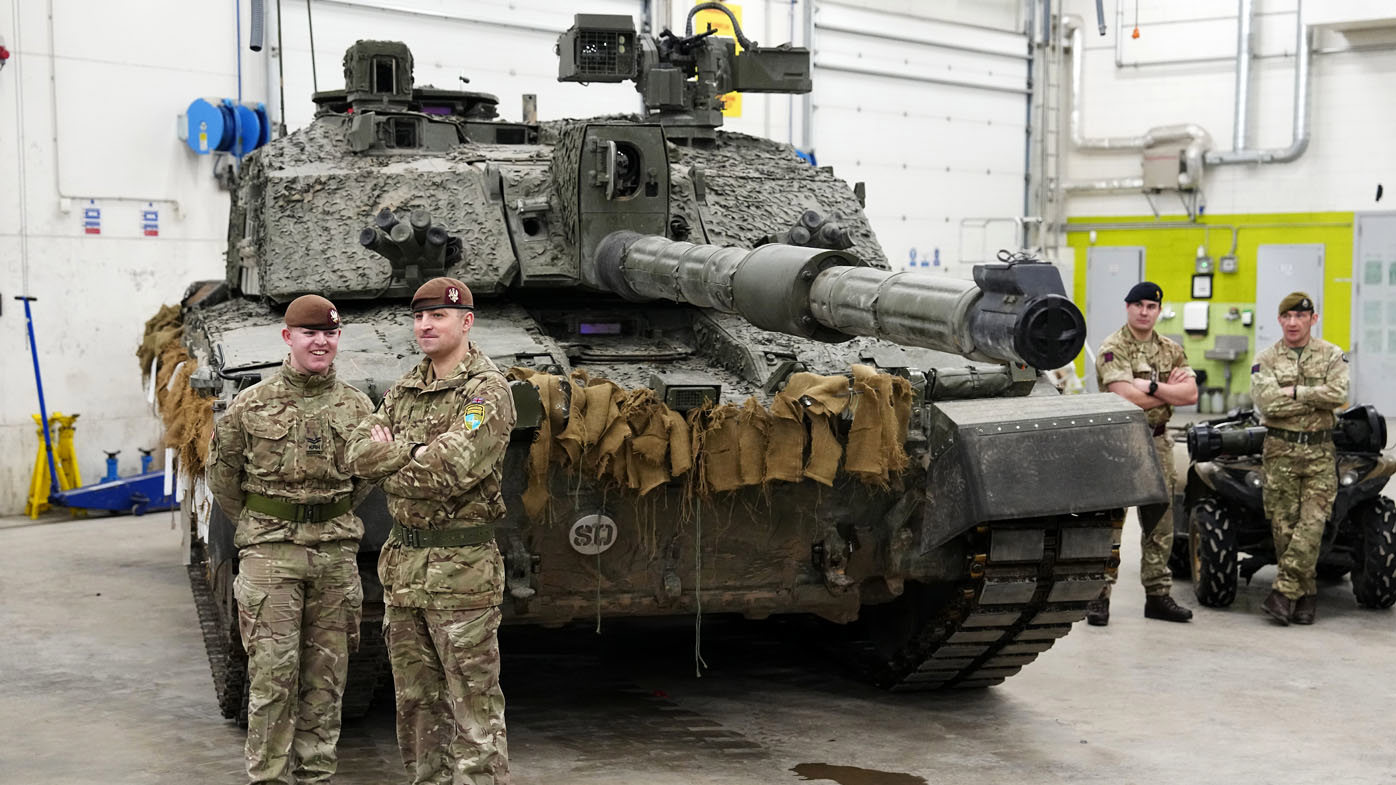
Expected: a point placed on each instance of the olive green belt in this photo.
(476, 534)
(1301, 437)
(299, 513)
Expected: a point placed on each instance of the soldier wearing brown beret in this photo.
(276, 467)
(437, 442)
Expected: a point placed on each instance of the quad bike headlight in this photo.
(1254, 480)
(1348, 478)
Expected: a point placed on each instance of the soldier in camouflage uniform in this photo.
(277, 468)
(1297, 384)
(437, 442)
(1151, 372)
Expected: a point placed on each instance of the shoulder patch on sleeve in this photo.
(1107, 357)
(1255, 368)
(474, 414)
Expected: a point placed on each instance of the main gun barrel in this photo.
(1014, 312)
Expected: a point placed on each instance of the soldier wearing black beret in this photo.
(1151, 372)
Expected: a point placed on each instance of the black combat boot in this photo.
(1278, 607)
(1162, 606)
(1098, 612)
(1305, 608)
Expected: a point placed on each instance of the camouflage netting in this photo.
(188, 416)
(633, 440)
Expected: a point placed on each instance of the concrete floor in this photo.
(103, 680)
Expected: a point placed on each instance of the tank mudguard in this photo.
(1003, 458)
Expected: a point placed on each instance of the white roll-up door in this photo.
(931, 115)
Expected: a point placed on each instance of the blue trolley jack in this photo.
(138, 494)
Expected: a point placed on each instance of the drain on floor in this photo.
(853, 775)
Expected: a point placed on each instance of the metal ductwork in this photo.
(1302, 71)
(1197, 138)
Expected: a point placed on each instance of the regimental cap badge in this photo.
(312, 312)
(1297, 301)
(443, 293)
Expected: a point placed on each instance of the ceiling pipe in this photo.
(1197, 138)
(1106, 184)
(1244, 16)
(1303, 43)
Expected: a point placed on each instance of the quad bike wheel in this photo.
(1374, 569)
(1212, 544)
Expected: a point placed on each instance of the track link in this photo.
(1026, 583)
(226, 659)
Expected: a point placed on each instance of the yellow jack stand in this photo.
(62, 430)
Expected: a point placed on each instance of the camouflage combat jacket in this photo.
(1122, 358)
(1319, 374)
(285, 438)
(464, 420)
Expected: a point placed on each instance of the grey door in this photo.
(1374, 312)
(1279, 270)
(1110, 272)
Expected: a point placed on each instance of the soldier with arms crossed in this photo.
(1297, 384)
(276, 467)
(1151, 372)
(437, 442)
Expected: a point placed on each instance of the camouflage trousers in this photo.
(1156, 530)
(1301, 482)
(298, 610)
(450, 709)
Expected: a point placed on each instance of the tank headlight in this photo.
(1348, 478)
(1254, 480)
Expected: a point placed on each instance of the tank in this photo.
(729, 404)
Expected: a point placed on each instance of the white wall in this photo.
(120, 72)
(1349, 151)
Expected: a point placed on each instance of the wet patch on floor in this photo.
(853, 775)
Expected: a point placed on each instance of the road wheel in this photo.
(1374, 569)
(1212, 541)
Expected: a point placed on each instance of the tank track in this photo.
(226, 660)
(1026, 583)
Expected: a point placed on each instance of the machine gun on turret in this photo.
(681, 79)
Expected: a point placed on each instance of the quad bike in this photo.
(1225, 515)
